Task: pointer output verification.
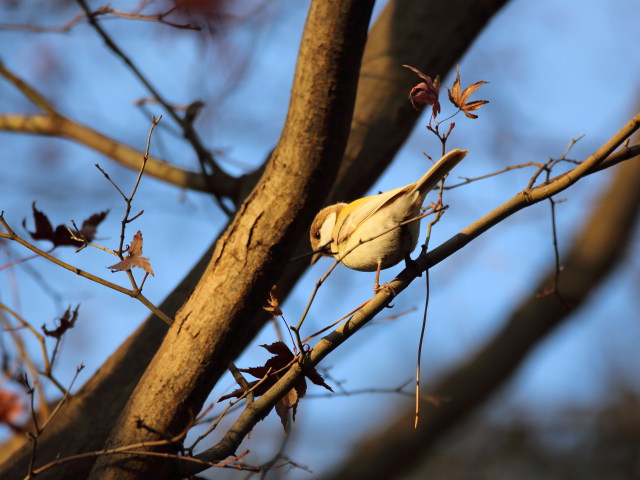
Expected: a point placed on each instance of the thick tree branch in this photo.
(107, 391)
(222, 314)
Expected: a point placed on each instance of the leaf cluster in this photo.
(269, 373)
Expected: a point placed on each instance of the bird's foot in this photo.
(384, 287)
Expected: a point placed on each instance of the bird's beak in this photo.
(324, 250)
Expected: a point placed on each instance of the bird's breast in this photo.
(378, 240)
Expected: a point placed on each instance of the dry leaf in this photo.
(459, 97)
(133, 259)
(275, 367)
(61, 236)
(425, 93)
(67, 321)
(273, 303)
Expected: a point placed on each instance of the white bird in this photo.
(365, 234)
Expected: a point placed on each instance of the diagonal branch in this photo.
(256, 410)
(59, 126)
(597, 250)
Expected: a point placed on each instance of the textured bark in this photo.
(406, 32)
(595, 252)
(225, 310)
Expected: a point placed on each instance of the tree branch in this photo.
(595, 253)
(257, 409)
(429, 23)
(59, 126)
(210, 331)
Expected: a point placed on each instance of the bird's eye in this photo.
(317, 235)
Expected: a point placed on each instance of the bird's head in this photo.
(321, 233)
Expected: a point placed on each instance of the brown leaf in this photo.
(471, 106)
(273, 303)
(275, 367)
(133, 259)
(90, 225)
(425, 93)
(459, 97)
(289, 401)
(67, 321)
(61, 236)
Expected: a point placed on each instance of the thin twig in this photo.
(11, 235)
(107, 12)
(186, 123)
(246, 393)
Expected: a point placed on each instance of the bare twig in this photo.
(467, 180)
(11, 235)
(138, 449)
(186, 123)
(248, 392)
(33, 437)
(105, 11)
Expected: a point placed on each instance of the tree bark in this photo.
(406, 32)
(224, 312)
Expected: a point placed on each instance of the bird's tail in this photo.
(439, 170)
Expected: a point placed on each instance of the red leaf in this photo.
(425, 93)
(275, 367)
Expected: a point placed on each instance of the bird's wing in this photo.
(362, 209)
(356, 213)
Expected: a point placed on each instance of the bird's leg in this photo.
(376, 283)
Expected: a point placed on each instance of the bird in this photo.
(368, 234)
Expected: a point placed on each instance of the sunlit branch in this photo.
(329, 343)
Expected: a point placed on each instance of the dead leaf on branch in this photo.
(67, 321)
(276, 368)
(90, 225)
(133, 259)
(425, 93)
(61, 236)
(273, 303)
(459, 97)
